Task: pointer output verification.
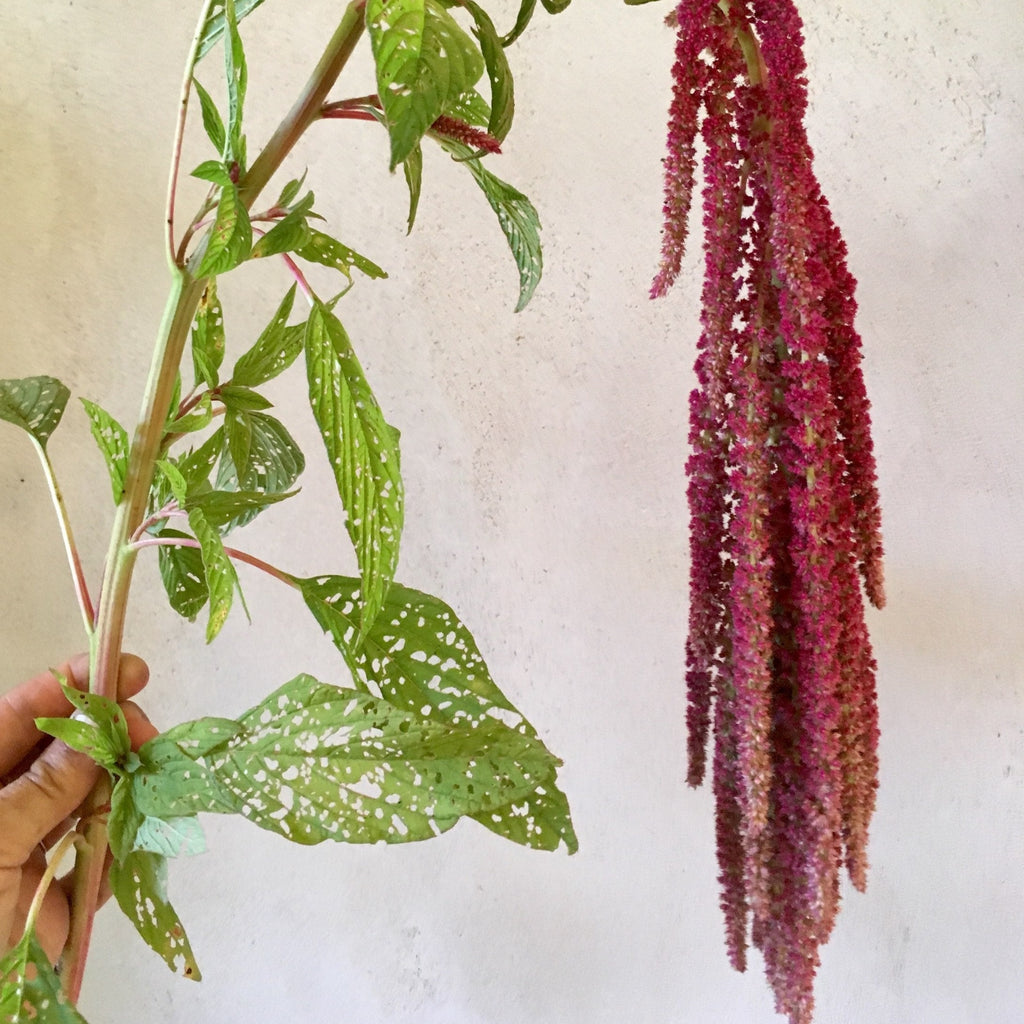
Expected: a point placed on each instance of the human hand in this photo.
(42, 784)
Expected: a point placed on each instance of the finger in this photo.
(40, 799)
(42, 697)
(140, 728)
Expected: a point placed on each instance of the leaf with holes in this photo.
(423, 60)
(221, 577)
(329, 252)
(171, 837)
(112, 440)
(98, 729)
(517, 217)
(421, 657)
(219, 508)
(412, 168)
(35, 404)
(208, 337)
(140, 887)
(498, 71)
(277, 347)
(230, 238)
(274, 462)
(183, 576)
(363, 452)
(30, 991)
(314, 762)
(171, 781)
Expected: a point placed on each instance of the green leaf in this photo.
(222, 507)
(523, 18)
(172, 782)
(287, 235)
(216, 23)
(242, 399)
(238, 431)
(321, 248)
(273, 462)
(221, 577)
(199, 417)
(556, 6)
(237, 77)
(472, 108)
(517, 217)
(212, 121)
(208, 337)
(97, 728)
(35, 404)
(171, 837)
(423, 59)
(214, 171)
(314, 762)
(30, 991)
(498, 71)
(290, 191)
(140, 887)
(112, 440)
(124, 819)
(363, 452)
(184, 576)
(175, 479)
(412, 167)
(420, 657)
(275, 349)
(230, 238)
(195, 466)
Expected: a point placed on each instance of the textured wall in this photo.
(543, 454)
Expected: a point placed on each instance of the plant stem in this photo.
(44, 883)
(179, 132)
(182, 302)
(233, 553)
(77, 575)
(306, 108)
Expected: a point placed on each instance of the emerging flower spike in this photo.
(784, 512)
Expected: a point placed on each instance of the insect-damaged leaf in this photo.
(314, 762)
(423, 60)
(140, 887)
(322, 248)
(102, 734)
(30, 991)
(363, 453)
(421, 657)
(183, 576)
(273, 461)
(208, 337)
(230, 238)
(221, 578)
(517, 216)
(35, 404)
(275, 349)
(216, 23)
(498, 71)
(112, 440)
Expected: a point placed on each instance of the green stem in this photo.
(186, 290)
(179, 132)
(77, 575)
(306, 108)
(44, 883)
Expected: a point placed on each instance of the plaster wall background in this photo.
(543, 455)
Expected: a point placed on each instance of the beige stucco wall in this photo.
(543, 456)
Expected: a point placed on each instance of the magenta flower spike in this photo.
(784, 511)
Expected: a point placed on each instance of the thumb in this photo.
(38, 800)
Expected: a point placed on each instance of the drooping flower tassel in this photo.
(783, 502)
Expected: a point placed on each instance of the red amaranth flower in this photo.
(784, 511)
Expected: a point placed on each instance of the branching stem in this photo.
(232, 553)
(182, 302)
(77, 575)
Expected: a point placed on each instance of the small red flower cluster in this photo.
(782, 494)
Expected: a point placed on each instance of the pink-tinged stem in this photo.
(232, 553)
